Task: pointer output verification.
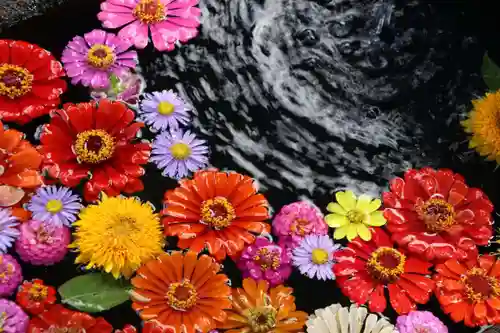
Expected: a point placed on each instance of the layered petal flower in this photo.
(35, 297)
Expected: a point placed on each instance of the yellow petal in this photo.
(374, 205)
(352, 231)
(340, 232)
(336, 208)
(375, 219)
(336, 220)
(363, 232)
(346, 199)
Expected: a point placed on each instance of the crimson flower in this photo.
(365, 269)
(35, 297)
(433, 213)
(96, 139)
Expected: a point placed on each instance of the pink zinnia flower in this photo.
(168, 20)
(297, 220)
(10, 275)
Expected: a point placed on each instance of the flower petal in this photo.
(336, 208)
(346, 199)
(336, 220)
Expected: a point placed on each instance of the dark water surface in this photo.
(310, 97)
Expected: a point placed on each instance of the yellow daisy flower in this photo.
(483, 123)
(352, 216)
(117, 235)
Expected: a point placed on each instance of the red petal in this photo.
(399, 301)
(414, 265)
(4, 51)
(457, 311)
(450, 298)
(109, 114)
(452, 285)
(480, 310)
(134, 185)
(457, 193)
(455, 267)
(416, 294)
(118, 180)
(486, 261)
(20, 52)
(50, 90)
(377, 302)
(494, 303)
(421, 281)
(381, 238)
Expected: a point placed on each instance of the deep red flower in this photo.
(127, 329)
(30, 83)
(470, 291)
(35, 297)
(433, 213)
(95, 138)
(365, 269)
(60, 319)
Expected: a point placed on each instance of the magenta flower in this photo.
(420, 321)
(297, 220)
(264, 260)
(169, 21)
(12, 318)
(10, 275)
(91, 59)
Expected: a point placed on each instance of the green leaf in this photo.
(491, 73)
(94, 292)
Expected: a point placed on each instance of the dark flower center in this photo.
(261, 320)
(479, 286)
(94, 146)
(217, 212)
(386, 264)
(437, 214)
(100, 53)
(15, 81)
(181, 295)
(94, 143)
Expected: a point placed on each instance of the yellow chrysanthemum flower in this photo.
(352, 216)
(483, 123)
(117, 235)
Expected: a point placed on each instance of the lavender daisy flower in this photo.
(420, 321)
(179, 153)
(92, 58)
(314, 257)
(165, 109)
(8, 229)
(56, 205)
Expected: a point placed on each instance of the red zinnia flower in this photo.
(30, 82)
(435, 214)
(365, 269)
(35, 297)
(470, 291)
(96, 138)
(60, 319)
(127, 329)
(153, 326)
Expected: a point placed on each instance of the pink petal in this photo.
(126, 62)
(109, 7)
(185, 22)
(163, 40)
(136, 33)
(185, 12)
(126, 3)
(171, 4)
(69, 56)
(96, 36)
(79, 45)
(127, 55)
(75, 68)
(114, 20)
(100, 80)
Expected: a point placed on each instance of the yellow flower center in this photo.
(267, 259)
(165, 108)
(479, 286)
(181, 296)
(3, 316)
(15, 81)
(261, 320)
(150, 11)
(217, 212)
(94, 146)
(100, 56)
(180, 151)
(437, 214)
(54, 206)
(386, 264)
(6, 272)
(38, 292)
(356, 216)
(319, 256)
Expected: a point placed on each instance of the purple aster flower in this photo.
(12, 318)
(314, 257)
(126, 87)
(177, 153)
(92, 58)
(420, 321)
(162, 110)
(10, 275)
(8, 229)
(264, 260)
(55, 205)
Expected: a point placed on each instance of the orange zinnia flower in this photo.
(217, 210)
(258, 309)
(182, 292)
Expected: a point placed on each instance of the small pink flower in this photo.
(169, 21)
(297, 220)
(42, 244)
(10, 275)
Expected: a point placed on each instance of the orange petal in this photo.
(455, 267)
(25, 159)
(486, 262)
(190, 261)
(452, 285)
(494, 303)
(204, 270)
(457, 311)
(9, 139)
(145, 283)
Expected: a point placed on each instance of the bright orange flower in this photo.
(182, 292)
(217, 210)
(258, 309)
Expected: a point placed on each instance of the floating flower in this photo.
(58, 205)
(41, 243)
(420, 321)
(335, 318)
(256, 308)
(8, 229)
(169, 21)
(126, 87)
(185, 287)
(297, 220)
(12, 318)
(35, 297)
(314, 257)
(178, 153)
(164, 110)
(30, 81)
(352, 216)
(470, 291)
(92, 58)
(98, 139)
(264, 260)
(117, 235)
(433, 213)
(19, 166)
(10, 275)
(60, 319)
(218, 210)
(365, 269)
